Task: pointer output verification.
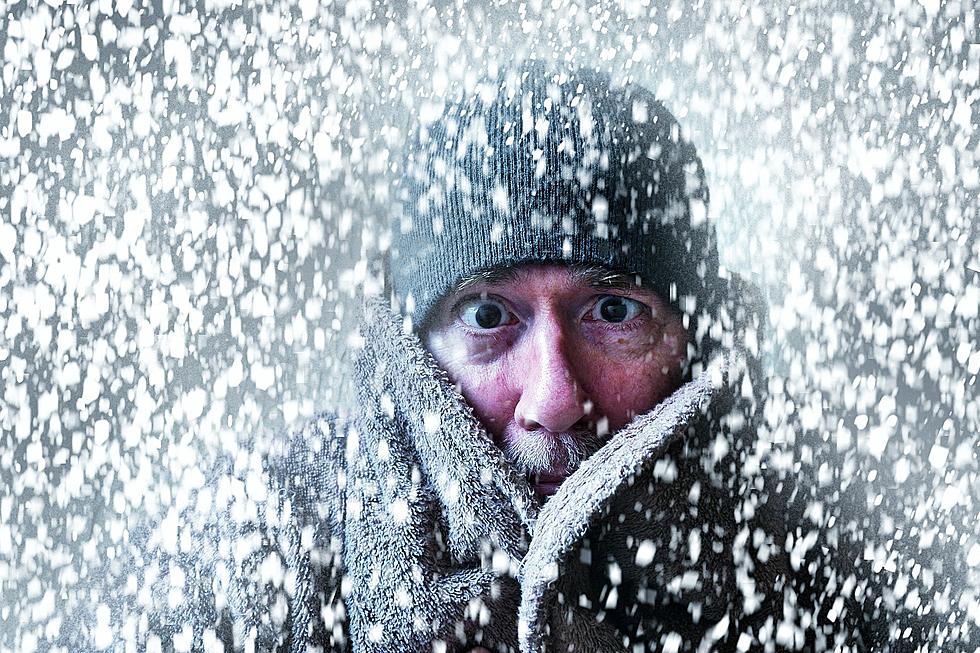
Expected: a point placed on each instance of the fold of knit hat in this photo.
(552, 165)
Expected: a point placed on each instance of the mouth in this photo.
(546, 484)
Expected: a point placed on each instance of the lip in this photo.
(546, 484)
(546, 489)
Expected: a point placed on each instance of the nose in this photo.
(551, 396)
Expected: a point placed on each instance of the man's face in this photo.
(553, 359)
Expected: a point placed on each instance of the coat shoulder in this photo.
(306, 467)
(258, 545)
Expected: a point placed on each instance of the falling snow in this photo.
(194, 200)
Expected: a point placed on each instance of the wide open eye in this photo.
(484, 313)
(616, 309)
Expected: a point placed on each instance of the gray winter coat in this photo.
(403, 528)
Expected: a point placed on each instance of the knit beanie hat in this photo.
(552, 166)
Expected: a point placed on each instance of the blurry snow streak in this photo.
(193, 201)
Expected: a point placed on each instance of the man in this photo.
(551, 443)
(555, 258)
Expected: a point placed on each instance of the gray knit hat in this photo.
(552, 166)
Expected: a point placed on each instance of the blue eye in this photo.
(484, 313)
(615, 309)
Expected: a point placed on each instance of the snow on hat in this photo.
(552, 166)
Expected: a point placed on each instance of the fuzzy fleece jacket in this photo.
(439, 544)
(403, 528)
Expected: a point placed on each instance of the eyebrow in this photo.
(604, 278)
(595, 276)
(492, 276)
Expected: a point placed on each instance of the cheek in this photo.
(626, 387)
(622, 391)
(488, 389)
(484, 377)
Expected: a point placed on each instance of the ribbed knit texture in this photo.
(553, 166)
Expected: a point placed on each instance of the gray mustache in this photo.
(535, 452)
